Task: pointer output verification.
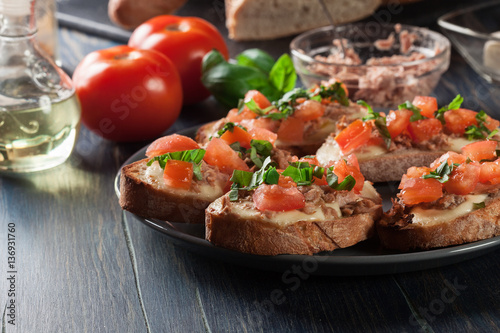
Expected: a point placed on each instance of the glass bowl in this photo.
(384, 65)
(475, 32)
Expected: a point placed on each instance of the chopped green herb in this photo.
(416, 111)
(333, 181)
(442, 172)
(380, 123)
(228, 127)
(478, 205)
(194, 156)
(455, 104)
(479, 131)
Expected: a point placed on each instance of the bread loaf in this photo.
(263, 19)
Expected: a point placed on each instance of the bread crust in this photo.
(396, 233)
(261, 20)
(143, 198)
(226, 229)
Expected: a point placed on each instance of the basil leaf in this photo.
(242, 178)
(233, 193)
(416, 111)
(442, 172)
(272, 176)
(252, 105)
(229, 127)
(263, 147)
(257, 59)
(282, 75)
(374, 115)
(333, 181)
(478, 205)
(255, 158)
(230, 82)
(380, 123)
(194, 156)
(211, 60)
(454, 104)
(334, 92)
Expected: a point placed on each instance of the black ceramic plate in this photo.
(365, 258)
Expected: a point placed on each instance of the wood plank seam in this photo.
(426, 327)
(133, 261)
(203, 314)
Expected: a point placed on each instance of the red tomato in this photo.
(218, 153)
(234, 115)
(277, 198)
(417, 190)
(398, 121)
(286, 181)
(426, 104)
(413, 172)
(169, 144)
(185, 40)
(259, 99)
(342, 169)
(309, 110)
(355, 135)
(481, 150)
(267, 123)
(258, 133)
(456, 121)
(291, 130)
(491, 124)
(451, 157)
(128, 94)
(422, 130)
(490, 173)
(237, 135)
(463, 179)
(178, 174)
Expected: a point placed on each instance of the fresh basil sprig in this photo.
(229, 82)
(194, 156)
(442, 173)
(246, 180)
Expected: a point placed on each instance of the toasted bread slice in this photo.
(143, 192)
(400, 230)
(323, 226)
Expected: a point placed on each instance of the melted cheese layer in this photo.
(435, 216)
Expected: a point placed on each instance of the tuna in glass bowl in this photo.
(475, 33)
(384, 65)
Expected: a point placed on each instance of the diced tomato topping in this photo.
(258, 133)
(235, 116)
(398, 121)
(310, 159)
(309, 110)
(178, 174)
(481, 150)
(238, 134)
(451, 157)
(277, 198)
(286, 181)
(169, 144)
(259, 98)
(353, 160)
(427, 104)
(413, 172)
(463, 179)
(267, 123)
(491, 124)
(291, 130)
(353, 136)
(417, 190)
(490, 172)
(218, 153)
(424, 129)
(456, 121)
(342, 169)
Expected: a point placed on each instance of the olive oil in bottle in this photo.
(39, 111)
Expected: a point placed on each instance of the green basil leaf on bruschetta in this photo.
(333, 181)
(194, 156)
(454, 104)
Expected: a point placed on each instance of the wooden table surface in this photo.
(83, 265)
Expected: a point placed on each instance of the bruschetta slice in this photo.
(415, 134)
(304, 209)
(454, 201)
(179, 179)
(302, 119)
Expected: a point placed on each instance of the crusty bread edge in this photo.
(147, 201)
(226, 229)
(477, 225)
